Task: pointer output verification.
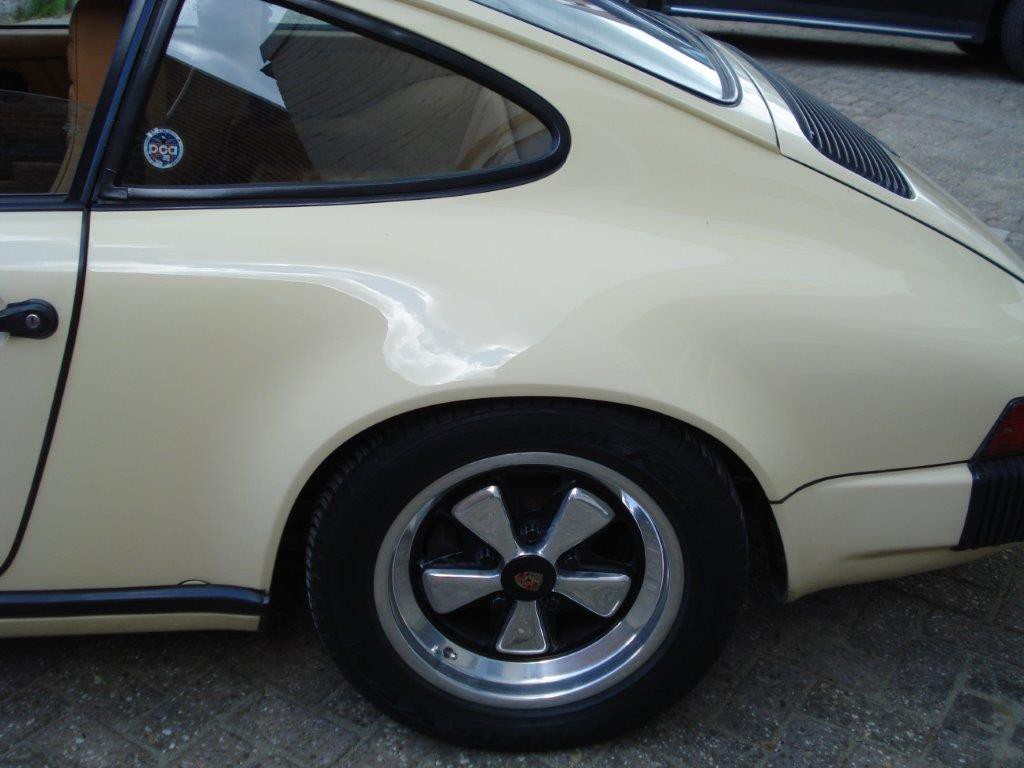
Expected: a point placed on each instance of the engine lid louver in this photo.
(837, 137)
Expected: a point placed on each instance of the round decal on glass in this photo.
(163, 148)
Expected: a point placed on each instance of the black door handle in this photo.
(33, 319)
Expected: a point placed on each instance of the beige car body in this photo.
(850, 347)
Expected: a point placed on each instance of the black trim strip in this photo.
(198, 598)
(43, 202)
(299, 193)
(81, 189)
(58, 396)
(995, 514)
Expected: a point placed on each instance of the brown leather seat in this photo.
(92, 37)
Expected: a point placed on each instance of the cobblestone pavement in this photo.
(923, 671)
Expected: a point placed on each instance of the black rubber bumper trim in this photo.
(995, 514)
(199, 598)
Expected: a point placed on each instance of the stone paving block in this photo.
(567, 758)
(162, 660)
(76, 740)
(625, 753)
(764, 699)
(975, 636)
(1011, 612)
(833, 606)
(685, 744)
(828, 654)
(889, 623)
(23, 661)
(945, 592)
(867, 754)
(26, 712)
(104, 688)
(998, 680)
(352, 707)
(219, 748)
(22, 757)
(809, 744)
(204, 695)
(991, 572)
(869, 717)
(297, 731)
(754, 632)
(453, 757)
(294, 664)
(972, 733)
(925, 678)
(390, 745)
(706, 701)
(1014, 756)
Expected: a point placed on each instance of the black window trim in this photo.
(110, 193)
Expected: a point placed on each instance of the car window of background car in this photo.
(251, 93)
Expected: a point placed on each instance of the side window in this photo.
(54, 57)
(252, 93)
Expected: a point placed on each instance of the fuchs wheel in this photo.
(526, 574)
(1013, 36)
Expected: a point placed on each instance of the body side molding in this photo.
(198, 598)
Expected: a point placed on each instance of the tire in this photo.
(358, 583)
(1013, 37)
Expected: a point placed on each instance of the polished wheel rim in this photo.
(529, 580)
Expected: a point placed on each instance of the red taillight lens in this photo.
(1007, 437)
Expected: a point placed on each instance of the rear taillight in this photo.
(1007, 437)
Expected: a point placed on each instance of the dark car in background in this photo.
(981, 27)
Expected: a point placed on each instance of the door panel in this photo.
(39, 254)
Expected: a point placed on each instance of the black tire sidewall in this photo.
(675, 469)
(1013, 37)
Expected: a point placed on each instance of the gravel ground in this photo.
(923, 671)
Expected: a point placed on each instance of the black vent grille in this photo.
(996, 512)
(838, 138)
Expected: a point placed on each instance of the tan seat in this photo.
(92, 37)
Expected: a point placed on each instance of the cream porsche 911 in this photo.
(516, 321)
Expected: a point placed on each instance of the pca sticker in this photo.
(163, 148)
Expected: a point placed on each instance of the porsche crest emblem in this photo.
(530, 581)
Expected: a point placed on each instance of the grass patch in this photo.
(42, 9)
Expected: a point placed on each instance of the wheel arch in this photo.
(993, 25)
(761, 525)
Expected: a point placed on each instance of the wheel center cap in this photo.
(528, 578)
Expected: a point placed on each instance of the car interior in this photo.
(350, 108)
(50, 80)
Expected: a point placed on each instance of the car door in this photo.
(42, 220)
(262, 171)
